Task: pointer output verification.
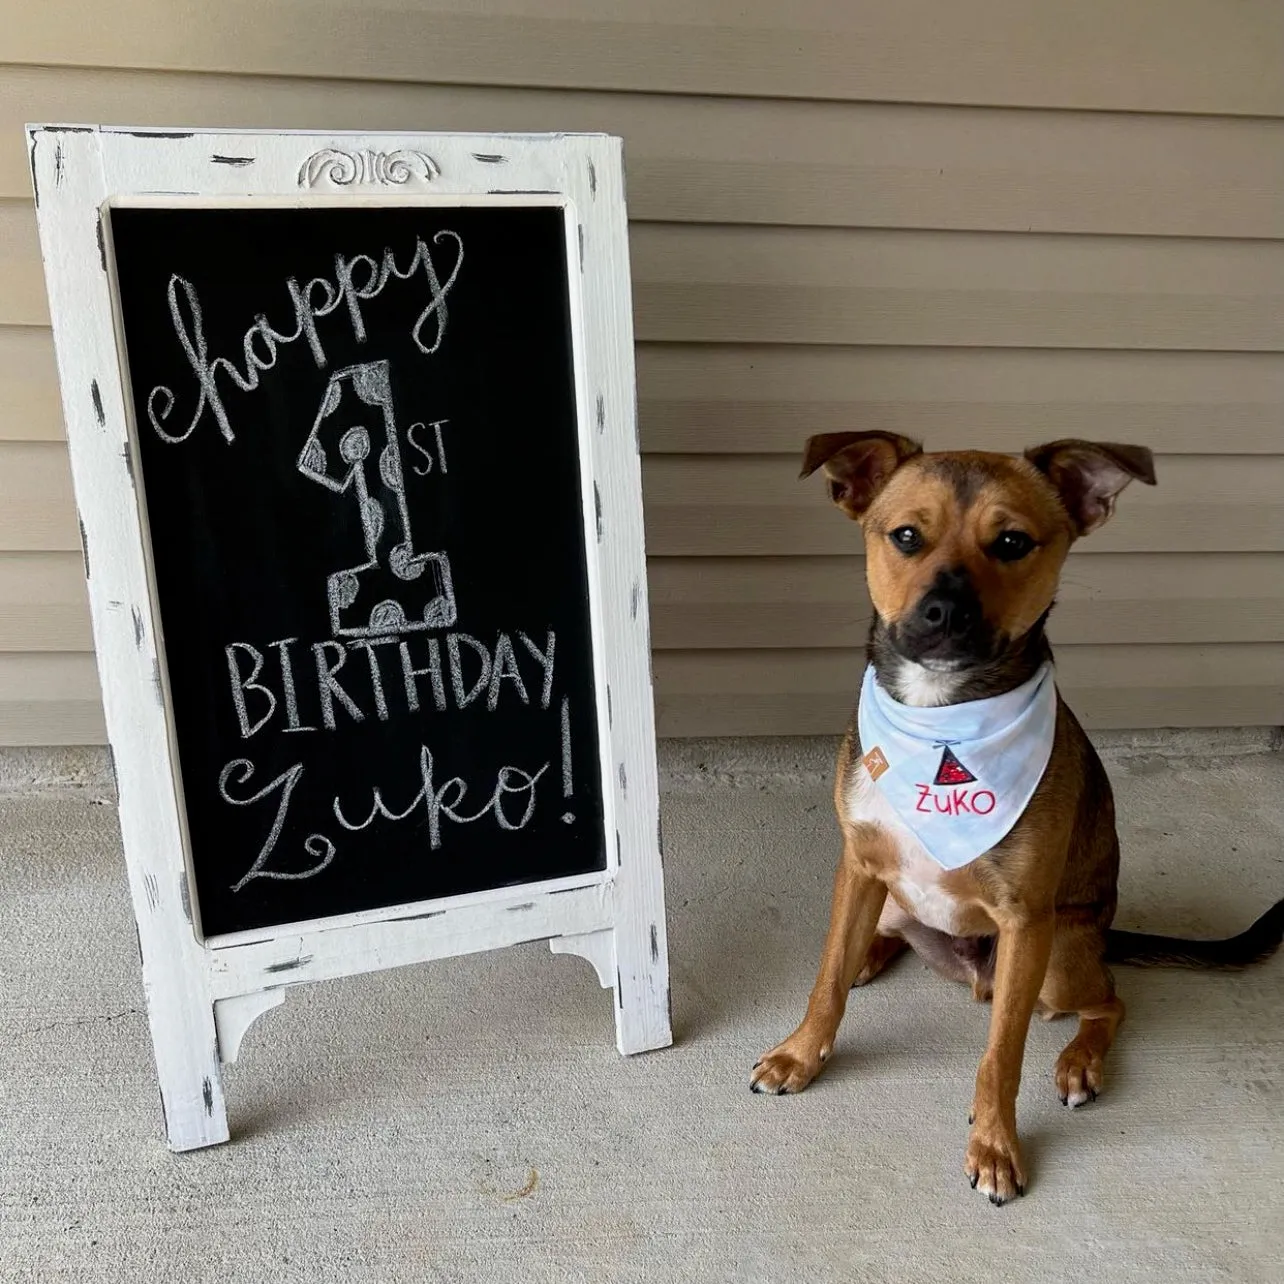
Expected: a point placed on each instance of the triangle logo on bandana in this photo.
(952, 771)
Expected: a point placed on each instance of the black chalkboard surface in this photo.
(357, 436)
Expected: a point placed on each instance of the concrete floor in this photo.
(471, 1121)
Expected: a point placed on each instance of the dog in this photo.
(964, 551)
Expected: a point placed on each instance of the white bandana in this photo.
(960, 775)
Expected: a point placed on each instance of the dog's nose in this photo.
(946, 615)
(949, 608)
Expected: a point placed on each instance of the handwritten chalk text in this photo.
(448, 801)
(357, 280)
(328, 684)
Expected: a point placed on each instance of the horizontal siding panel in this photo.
(759, 400)
(53, 699)
(955, 289)
(50, 700)
(811, 692)
(707, 506)
(37, 510)
(1129, 55)
(30, 401)
(43, 603)
(782, 602)
(713, 284)
(22, 299)
(735, 506)
(751, 160)
(770, 602)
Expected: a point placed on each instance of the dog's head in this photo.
(964, 549)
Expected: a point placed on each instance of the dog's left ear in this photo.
(1089, 475)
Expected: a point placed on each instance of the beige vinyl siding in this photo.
(746, 160)
(735, 693)
(1124, 55)
(984, 223)
(780, 602)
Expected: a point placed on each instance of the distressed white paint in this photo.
(597, 947)
(232, 1017)
(918, 886)
(202, 993)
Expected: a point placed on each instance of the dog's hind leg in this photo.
(882, 951)
(889, 943)
(1078, 981)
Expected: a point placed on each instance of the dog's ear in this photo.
(857, 464)
(1089, 475)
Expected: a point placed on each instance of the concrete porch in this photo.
(471, 1120)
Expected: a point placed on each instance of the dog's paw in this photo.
(790, 1066)
(993, 1165)
(1078, 1075)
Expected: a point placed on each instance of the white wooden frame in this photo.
(203, 993)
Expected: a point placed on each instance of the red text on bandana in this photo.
(954, 802)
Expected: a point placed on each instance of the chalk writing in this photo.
(426, 467)
(370, 599)
(568, 775)
(317, 845)
(463, 672)
(445, 801)
(356, 280)
(436, 802)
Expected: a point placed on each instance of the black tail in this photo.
(1254, 945)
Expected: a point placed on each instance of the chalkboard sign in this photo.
(360, 496)
(360, 466)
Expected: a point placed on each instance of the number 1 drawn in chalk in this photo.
(395, 590)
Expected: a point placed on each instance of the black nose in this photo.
(949, 606)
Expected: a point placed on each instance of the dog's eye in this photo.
(1011, 546)
(907, 539)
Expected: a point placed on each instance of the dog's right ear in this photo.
(857, 464)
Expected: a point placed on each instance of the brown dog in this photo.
(963, 555)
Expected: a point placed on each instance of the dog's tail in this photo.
(1254, 945)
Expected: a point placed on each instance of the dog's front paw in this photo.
(993, 1164)
(790, 1066)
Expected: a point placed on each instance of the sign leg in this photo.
(180, 1011)
(642, 1021)
(191, 1082)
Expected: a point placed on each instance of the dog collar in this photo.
(959, 776)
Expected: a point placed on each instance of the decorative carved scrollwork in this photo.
(346, 169)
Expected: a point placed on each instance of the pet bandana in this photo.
(960, 775)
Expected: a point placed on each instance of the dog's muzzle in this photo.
(947, 626)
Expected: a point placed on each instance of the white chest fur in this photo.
(918, 884)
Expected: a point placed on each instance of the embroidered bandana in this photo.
(959, 776)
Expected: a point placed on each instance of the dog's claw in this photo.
(975, 1177)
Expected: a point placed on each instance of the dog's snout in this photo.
(950, 606)
(942, 613)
